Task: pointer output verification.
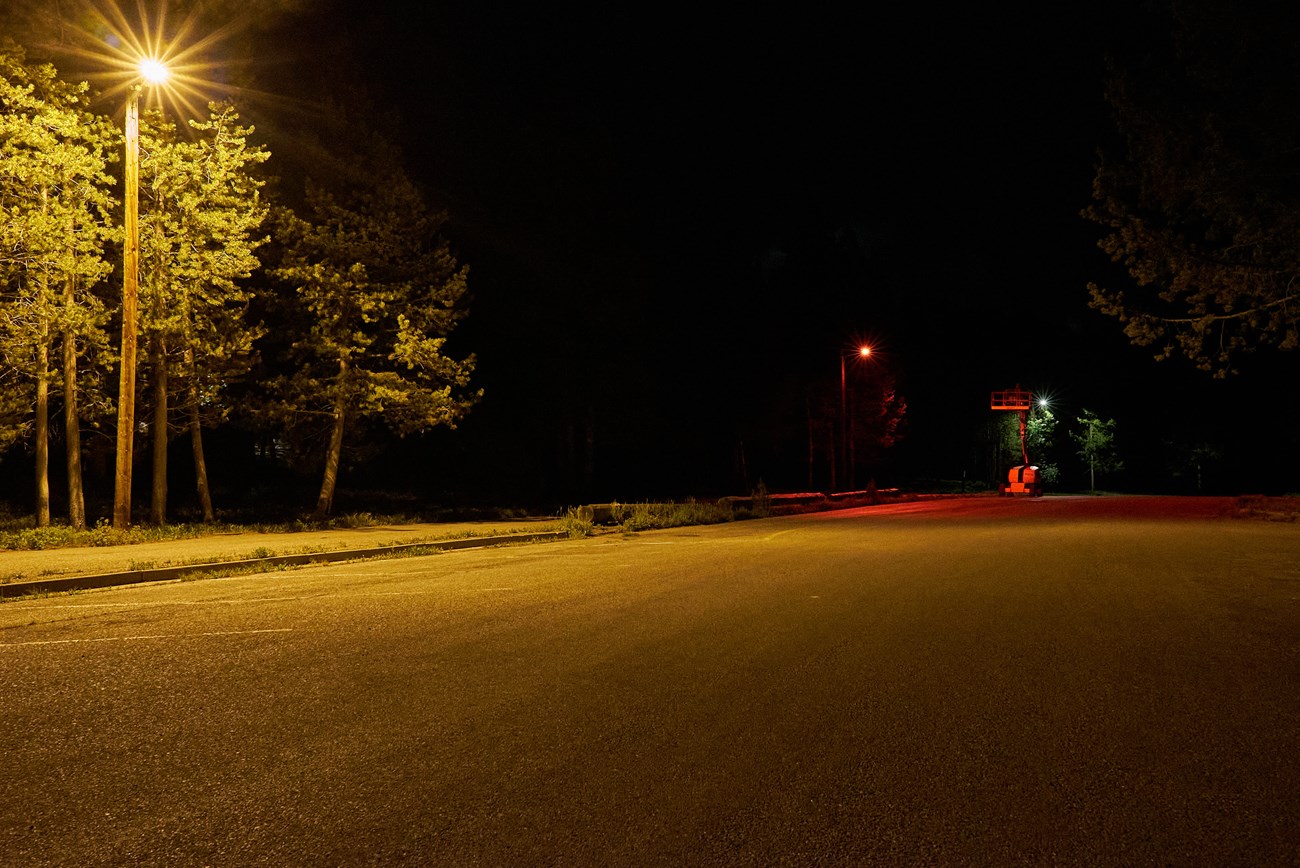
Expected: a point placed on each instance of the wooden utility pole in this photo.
(130, 293)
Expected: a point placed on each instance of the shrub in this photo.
(653, 516)
(577, 523)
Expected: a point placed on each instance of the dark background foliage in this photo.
(678, 218)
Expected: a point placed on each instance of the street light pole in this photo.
(845, 447)
(843, 418)
(151, 71)
(130, 294)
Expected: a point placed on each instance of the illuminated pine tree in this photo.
(201, 215)
(55, 202)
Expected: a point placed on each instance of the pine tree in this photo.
(378, 290)
(877, 420)
(55, 201)
(200, 218)
(1199, 203)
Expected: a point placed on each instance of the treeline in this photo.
(300, 319)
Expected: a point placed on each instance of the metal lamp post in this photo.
(862, 353)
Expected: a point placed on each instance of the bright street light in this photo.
(153, 70)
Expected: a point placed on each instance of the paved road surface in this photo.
(964, 682)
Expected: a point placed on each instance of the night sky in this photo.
(676, 217)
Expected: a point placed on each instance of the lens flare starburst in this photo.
(123, 48)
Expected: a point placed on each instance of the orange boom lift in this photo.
(1024, 478)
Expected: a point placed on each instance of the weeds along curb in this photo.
(165, 574)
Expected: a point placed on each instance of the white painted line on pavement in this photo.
(45, 606)
(708, 542)
(427, 593)
(143, 638)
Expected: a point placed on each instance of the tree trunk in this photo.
(200, 464)
(326, 500)
(1092, 464)
(807, 404)
(831, 450)
(158, 506)
(43, 429)
(72, 426)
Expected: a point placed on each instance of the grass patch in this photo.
(417, 551)
(21, 534)
(31, 538)
(239, 570)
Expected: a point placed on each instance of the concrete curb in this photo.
(165, 574)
